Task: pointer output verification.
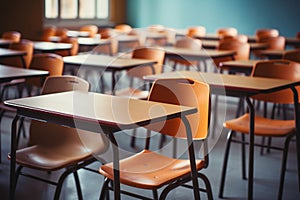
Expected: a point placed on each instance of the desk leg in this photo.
(113, 82)
(13, 147)
(251, 148)
(194, 173)
(116, 166)
(297, 120)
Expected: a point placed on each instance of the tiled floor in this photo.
(265, 184)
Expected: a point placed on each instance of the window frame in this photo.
(76, 21)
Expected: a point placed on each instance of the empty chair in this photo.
(14, 36)
(73, 51)
(151, 170)
(228, 31)
(266, 126)
(265, 33)
(274, 43)
(188, 43)
(91, 29)
(47, 33)
(53, 147)
(123, 28)
(240, 37)
(293, 55)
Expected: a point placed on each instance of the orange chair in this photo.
(50, 62)
(123, 28)
(265, 33)
(188, 43)
(266, 126)
(195, 31)
(151, 170)
(154, 54)
(53, 147)
(240, 37)
(47, 33)
(228, 31)
(73, 51)
(14, 36)
(92, 29)
(274, 43)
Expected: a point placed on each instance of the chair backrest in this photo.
(228, 31)
(50, 62)
(240, 37)
(189, 43)
(148, 53)
(242, 49)
(282, 69)
(62, 33)
(15, 36)
(185, 92)
(92, 29)
(274, 43)
(23, 45)
(63, 138)
(73, 51)
(293, 55)
(47, 32)
(196, 31)
(265, 33)
(125, 28)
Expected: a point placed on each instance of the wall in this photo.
(245, 15)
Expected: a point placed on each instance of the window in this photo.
(76, 9)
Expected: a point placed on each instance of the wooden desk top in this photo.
(10, 53)
(234, 85)
(202, 54)
(51, 46)
(213, 44)
(107, 62)
(8, 73)
(96, 109)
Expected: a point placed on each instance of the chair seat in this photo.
(133, 93)
(263, 126)
(144, 170)
(50, 159)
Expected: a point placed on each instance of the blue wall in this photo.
(245, 15)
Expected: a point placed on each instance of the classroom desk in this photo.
(213, 44)
(201, 55)
(93, 112)
(273, 54)
(5, 53)
(50, 47)
(106, 63)
(241, 66)
(245, 87)
(292, 41)
(88, 44)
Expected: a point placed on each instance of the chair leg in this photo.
(243, 158)
(1, 115)
(207, 186)
(225, 162)
(155, 194)
(283, 166)
(104, 190)
(77, 182)
(132, 142)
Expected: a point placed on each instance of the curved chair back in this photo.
(73, 51)
(283, 69)
(242, 49)
(274, 43)
(125, 28)
(240, 37)
(23, 45)
(185, 92)
(229, 31)
(92, 29)
(189, 43)
(50, 62)
(293, 55)
(265, 33)
(196, 31)
(14, 36)
(48, 32)
(149, 53)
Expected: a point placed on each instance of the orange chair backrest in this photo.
(50, 62)
(73, 51)
(240, 37)
(274, 43)
(265, 33)
(185, 92)
(23, 45)
(48, 32)
(189, 43)
(15, 36)
(293, 55)
(196, 31)
(230, 31)
(282, 69)
(123, 28)
(242, 49)
(92, 29)
(148, 53)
